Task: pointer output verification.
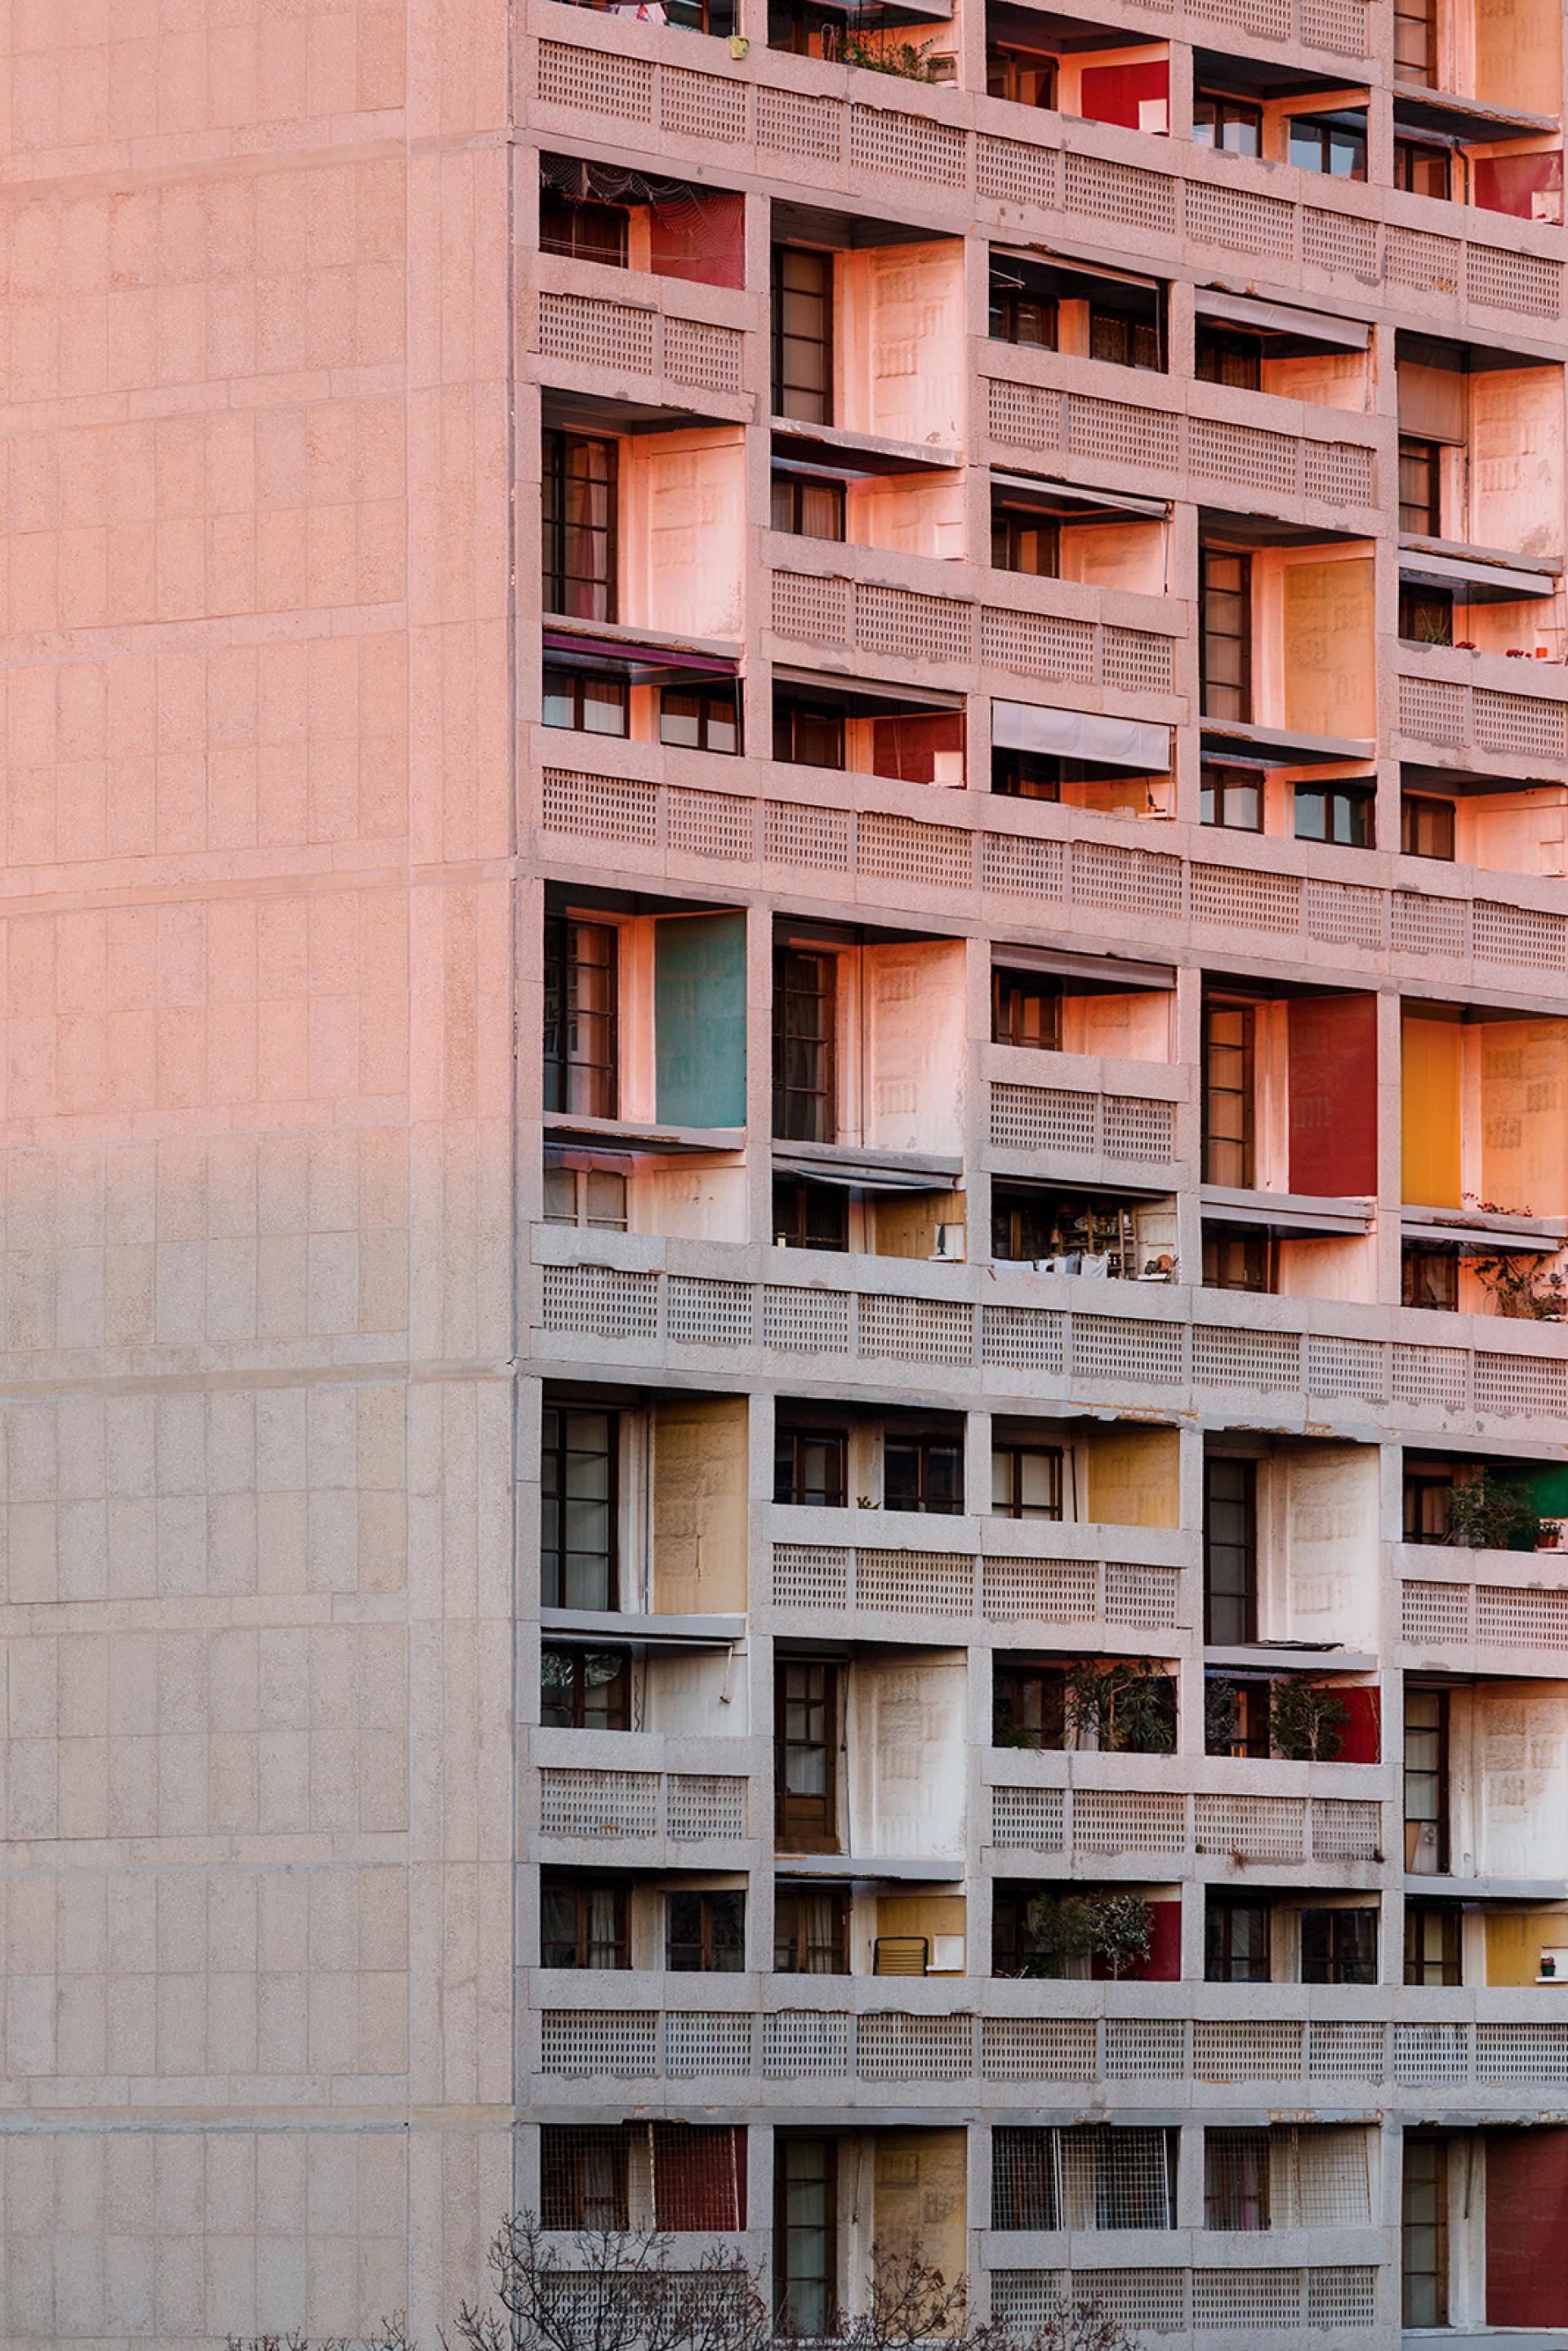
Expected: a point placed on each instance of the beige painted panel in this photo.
(1329, 681)
(1132, 1476)
(699, 1507)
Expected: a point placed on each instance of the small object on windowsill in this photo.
(1515, 652)
(1465, 646)
(1158, 1268)
(738, 46)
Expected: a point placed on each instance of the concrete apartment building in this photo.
(680, 1424)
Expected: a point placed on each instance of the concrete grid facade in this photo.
(1024, 1180)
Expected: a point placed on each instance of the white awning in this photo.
(1130, 744)
(1280, 318)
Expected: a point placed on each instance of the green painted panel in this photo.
(699, 1020)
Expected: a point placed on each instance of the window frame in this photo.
(805, 403)
(1323, 132)
(1222, 1010)
(805, 1106)
(789, 1485)
(576, 1082)
(1011, 1454)
(1420, 516)
(555, 1454)
(924, 1445)
(1243, 1598)
(569, 591)
(807, 1820)
(563, 218)
(1225, 618)
(800, 487)
(584, 1892)
(1418, 808)
(616, 1709)
(803, 1947)
(706, 696)
(1225, 113)
(1218, 1947)
(1228, 779)
(1012, 987)
(1340, 1962)
(795, 1227)
(561, 684)
(1012, 529)
(705, 1943)
(1354, 804)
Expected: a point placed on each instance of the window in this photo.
(1026, 81)
(923, 1473)
(1429, 1277)
(1236, 1717)
(1338, 813)
(1232, 124)
(1416, 41)
(1231, 797)
(1123, 341)
(1021, 541)
(1339, 1947)
(1026, 775)
(1427, 1493)
(579, 1017)
(802, 334)
(1426, 1783)
(1420, 488)
(585, 1689)
(1236, 1260)
(810, 1466)
(804, 1005)
(1026, 1009)
(1229, 1550)
(584, 231)
(578, 1548)
(1019, 316)
(1236, 2180)
(807, 506)
(1227, 1087)
(1422, 170)
(1426, 826)
(1092, 2176)
(583, 2176)
(807, 734)
(1026, 1481)
(1028, 1705)
(1432, 1949)
(806, 2236)
(1225, 598)
(583, 1923)
(705, 1934)
(593, 704)
(594, 1198)
(806, 1755)
(1235, 359)
(579, 509)
(1423, 2244)
(1335, 144)
(1015, 1945)
(700, 717)
(1426, 615)
(1236, 1941)
(809, 1937)
(810, 1216)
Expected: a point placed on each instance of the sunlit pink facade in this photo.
(786, 971)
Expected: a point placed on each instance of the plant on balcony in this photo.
(1218, 1715)
(1115, 1927)
(1128, 1704)
(1486, 1514)
(903, 59)
(1306, 1721)
(1521, 1291)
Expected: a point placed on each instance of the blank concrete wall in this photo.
(1518, 54)
(1325, 1516)
(1516, 459)
(904, 367)
(906, 1757)
(1519, 1779)
(1135, 1027)
(699, 1506)
(682, 531)
(1524, 1114)
(915, 1010)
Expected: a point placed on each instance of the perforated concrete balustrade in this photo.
(795, 2045)
(1499, 1615)
(1251, 2303)
(1337, 26)
(616, 1304)
(955, 1583)
(1080, 424)
(630, 339)
(1449, 711)
(821, 609)
(1168, 1821)
(881, 143)
(1155, 885)
(687, 1807)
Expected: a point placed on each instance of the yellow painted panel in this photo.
(1429, 1098)
(1329, 682)
(1132, 1476)
(920, 1914)
(699, 1507)
(1515, 1940)
(918, 2195)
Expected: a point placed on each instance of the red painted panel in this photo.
(704, 241)
(1116, 93)
(1333, 1095)
(1361, 1730)
(907, 747)
(1528, 186)
(699, 2177)
(1163, 1963)
(1527, 2226)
